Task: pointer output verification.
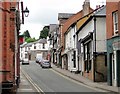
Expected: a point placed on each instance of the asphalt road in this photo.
(50, 81)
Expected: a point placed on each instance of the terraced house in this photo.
(91, 39)
(113, 41)
(69, 52)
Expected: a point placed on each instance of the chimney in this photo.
(97, 6)
(86, 7)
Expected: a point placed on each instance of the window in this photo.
(43, 46)
(115, 22)
(74, 59)
(25, 49)
(26, 55)
(34, 46)
(88, 56)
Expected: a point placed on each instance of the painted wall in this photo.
(80, 22)
(70, 46)
(88, 28)
(101, 34)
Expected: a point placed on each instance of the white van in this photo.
(25, 60)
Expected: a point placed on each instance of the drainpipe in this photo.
(94, 62)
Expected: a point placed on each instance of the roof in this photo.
(101, 12)
(22, 45)
(42, 40)
(64, 15)
(53, 28)
(73, 19)
(29, 44)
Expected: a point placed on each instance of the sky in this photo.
(45, 12)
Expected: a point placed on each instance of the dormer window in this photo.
(115, 22)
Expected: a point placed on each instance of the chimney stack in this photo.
(86, 7)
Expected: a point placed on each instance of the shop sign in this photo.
(116, 45)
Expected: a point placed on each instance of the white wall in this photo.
(101, 34)
(70, 46)
(84, 32)
(69, 40)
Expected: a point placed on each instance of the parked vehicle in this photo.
(25, 62)
(45, 64)
(39, 58)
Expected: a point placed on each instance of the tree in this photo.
(28, 40)
(27, 34)
(44, 32)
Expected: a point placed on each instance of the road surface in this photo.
(47, 80)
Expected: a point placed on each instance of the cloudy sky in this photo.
(45, 12)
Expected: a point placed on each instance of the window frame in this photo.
(115, 22)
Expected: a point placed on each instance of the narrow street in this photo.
(50, 81)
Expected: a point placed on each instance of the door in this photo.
(114, 79)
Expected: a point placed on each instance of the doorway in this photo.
(114, 70)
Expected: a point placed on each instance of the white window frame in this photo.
(115, 22)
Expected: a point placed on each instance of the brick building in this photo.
(9, 65)
(113, 41)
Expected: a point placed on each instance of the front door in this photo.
(114, 80)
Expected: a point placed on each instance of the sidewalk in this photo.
(25, 86)
(81, 79)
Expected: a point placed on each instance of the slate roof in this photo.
(64, 15)
(42, 40)
(101, 11)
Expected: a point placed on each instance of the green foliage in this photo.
(27, 37)
(28, 40)
(44, 33)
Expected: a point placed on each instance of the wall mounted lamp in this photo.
(24, 12)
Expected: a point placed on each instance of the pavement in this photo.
(86, 81)
(26, 86)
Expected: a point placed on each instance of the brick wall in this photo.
(110, 7)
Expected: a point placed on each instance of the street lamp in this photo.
(24, 12)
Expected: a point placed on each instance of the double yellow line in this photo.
(39, 90)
